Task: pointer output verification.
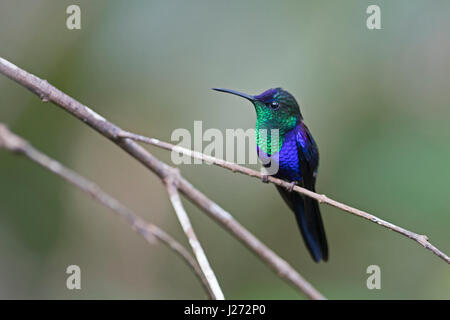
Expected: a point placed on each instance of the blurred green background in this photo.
(377, 103)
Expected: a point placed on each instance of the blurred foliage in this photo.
(377, 103)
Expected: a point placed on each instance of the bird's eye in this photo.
(274, 105)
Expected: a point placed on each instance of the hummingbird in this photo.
(296, 156)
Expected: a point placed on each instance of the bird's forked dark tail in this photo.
(307, 214)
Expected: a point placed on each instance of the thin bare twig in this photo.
(421, 239)
(192, 237)
(47, 92)
(150, 232)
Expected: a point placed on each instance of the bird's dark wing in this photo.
(307, 209)
(308, 147)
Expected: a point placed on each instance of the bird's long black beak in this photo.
(237, 93)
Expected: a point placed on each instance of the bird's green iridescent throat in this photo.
(266, 121)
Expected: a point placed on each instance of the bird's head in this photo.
(275, 108)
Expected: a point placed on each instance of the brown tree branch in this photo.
(11, 142)
(183, 218)
(47, 92)
(421, 239)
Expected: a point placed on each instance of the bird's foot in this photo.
(265, 178)
(291, 187)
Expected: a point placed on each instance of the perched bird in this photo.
(296, 156)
